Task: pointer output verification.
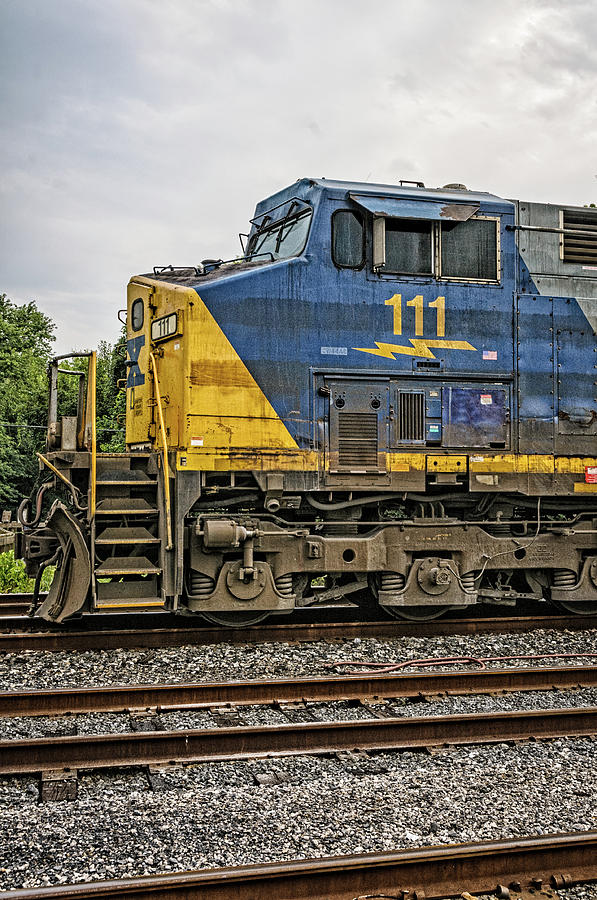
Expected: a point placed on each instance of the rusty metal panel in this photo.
(411, 208)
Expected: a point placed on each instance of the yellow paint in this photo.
(208, 394)
(535, 464)
(92, 400)
(138, 415)
(419, 347)
(581, 488)
(396, 302)
(574, 465)
(417, 302)
(405, 462)
(446, 464)
(166, 469)
(128, 604)
(226, 406)
(247, 461)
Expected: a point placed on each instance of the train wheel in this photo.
(578, 608)
(235, 619)
(566, 578)
(416, 613)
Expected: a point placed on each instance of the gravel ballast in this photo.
(219, 815)
(228, 662)
(124, 823)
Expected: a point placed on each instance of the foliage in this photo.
(13, 578)
(26, 336)
(110, 398)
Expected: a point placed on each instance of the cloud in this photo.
(140, 132)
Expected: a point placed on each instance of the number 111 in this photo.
(439, 305)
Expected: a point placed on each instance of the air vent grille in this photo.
(411, 416)
(581, 246)
(357, 440)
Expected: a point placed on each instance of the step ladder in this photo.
(126, 534)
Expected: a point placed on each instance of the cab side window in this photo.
(469, 249)
(348, 239)
(137, 314)
(409, 246)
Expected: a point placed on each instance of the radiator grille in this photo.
(357, 440)
(580, 247)
(411, 416)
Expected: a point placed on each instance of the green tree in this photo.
(26, 336)
(111, 398)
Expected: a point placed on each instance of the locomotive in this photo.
(389, 398)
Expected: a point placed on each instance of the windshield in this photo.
(281, 239)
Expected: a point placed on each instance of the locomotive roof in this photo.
(307, 189)
(339, 189)
(399, 190)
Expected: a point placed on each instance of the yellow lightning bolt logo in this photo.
(420, 347)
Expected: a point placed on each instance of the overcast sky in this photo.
(142, 132)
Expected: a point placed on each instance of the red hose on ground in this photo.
(384, 668)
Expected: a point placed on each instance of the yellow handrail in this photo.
(92, 396)
(164, 452)
(56, 471)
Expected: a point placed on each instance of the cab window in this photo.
(282, 239)
(348, 239)
(409, 246)
(137, 314)
(469, 249)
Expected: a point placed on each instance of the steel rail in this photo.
(431, 872)
(15, 604)
(13, 609)
(18, 598)
(115, 698)
(162, 747)
(143, 637)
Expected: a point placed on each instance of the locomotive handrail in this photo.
(158, 400)
(91, 385)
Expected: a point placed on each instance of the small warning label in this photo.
(591, 474)
(196, 442)
(486, 399)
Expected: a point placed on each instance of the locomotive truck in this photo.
(389, 398)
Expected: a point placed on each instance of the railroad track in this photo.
(15, 604)
(18, 633)
(155, 748)
(382, 731)
(123, 698)
(532, 862)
